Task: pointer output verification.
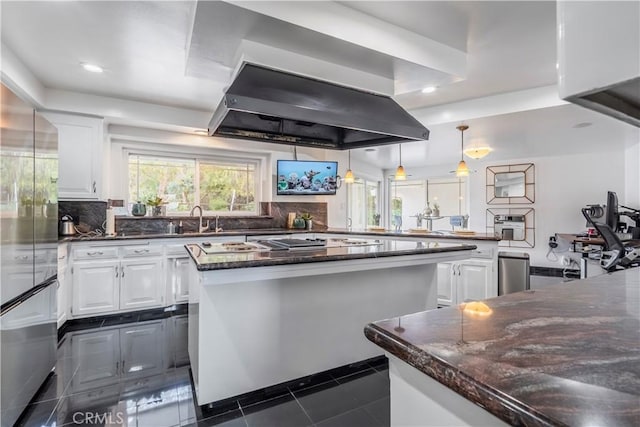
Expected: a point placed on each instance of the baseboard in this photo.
(72, 325)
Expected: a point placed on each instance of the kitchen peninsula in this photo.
(258, 318)
(559, 356)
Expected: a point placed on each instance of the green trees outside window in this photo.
(182, 183)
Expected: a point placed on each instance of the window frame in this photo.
(211, 156)
(463, 204)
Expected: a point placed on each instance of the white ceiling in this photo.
(182, 54)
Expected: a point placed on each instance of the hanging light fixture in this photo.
(462, 169)
(477, 152)
(401, 175)
(348, 177)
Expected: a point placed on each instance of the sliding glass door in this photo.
(364, 204)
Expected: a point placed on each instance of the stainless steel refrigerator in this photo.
(28, 253)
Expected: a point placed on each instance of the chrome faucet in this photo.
(201, 228)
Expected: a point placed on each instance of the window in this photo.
(217, 186)
(364, 203)
(409, 198)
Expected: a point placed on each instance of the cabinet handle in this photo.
(141, 251)
(95, 253)
(62, 257)
(123, 370)
(122, 268)
(117, 368)
(116, 271)
(94, 186)
(22, 257)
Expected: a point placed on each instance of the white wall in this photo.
(564, 185)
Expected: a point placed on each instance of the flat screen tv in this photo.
(303, 177)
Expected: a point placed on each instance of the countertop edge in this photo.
(326, 258)
(488, 398)
(259, 232)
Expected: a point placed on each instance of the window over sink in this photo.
(219, 186)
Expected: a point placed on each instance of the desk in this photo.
(583, 241)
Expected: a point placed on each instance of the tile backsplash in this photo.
(87, 215)
(91, 215)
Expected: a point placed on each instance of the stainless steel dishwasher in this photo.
(513, 272)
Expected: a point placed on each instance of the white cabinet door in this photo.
(96, 287)
(62, 295)
(100, 355)
(446, 284)
(142, 283)
(474, 279)
(142, 349)
(79, 155)
(179, 279)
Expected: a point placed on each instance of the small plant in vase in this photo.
(307, 220)
(157, 206)
(436, 210)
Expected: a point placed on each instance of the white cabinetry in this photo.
(474, 278)
(96, 287)
(63, 283)
(446, 284)
(80, 152)
(140, 281)
(111, 279)
(468, 280)
(179, 262)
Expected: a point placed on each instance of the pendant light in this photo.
(401, 175)
(462, 169)
(477, 153)
(348, 177)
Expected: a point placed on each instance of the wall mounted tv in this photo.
(302, 177)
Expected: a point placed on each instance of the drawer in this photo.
(95, 253)
(136, 251)
(482, 253)
(176, 250)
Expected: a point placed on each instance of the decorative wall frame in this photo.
(529, 214)
(499, 195)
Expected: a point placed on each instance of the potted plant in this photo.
(157, 206)
(307, 220)
(436, 209)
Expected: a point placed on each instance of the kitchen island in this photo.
(260, 318)
(565, 355)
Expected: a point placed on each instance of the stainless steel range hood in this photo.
(621, 101)
(273, 106)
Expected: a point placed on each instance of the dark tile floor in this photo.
(134, 371)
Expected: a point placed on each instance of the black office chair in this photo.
(616, 253)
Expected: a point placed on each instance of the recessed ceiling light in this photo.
(92, 67)
(429, 89)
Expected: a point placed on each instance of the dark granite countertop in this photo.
(563, 355)
(221, 261)
(264, 231)
(410, 233)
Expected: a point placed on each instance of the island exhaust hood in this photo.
(278, 107)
